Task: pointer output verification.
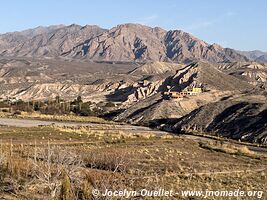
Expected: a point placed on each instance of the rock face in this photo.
(126, 42)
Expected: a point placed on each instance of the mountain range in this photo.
(126, 42)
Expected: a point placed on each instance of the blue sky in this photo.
(239, 24)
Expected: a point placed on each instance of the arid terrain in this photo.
(131, 107)
(232, 92)
(35, 159)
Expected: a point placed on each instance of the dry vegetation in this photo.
(231, 149)
(66, 117)
(67, 163)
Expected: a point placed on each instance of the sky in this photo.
(239, 24)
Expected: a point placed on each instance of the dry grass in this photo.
(215, 136)
(106, 134)
(56, 166)
(232, 149)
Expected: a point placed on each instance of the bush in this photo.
(86, 111)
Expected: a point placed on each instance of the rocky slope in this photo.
(126, 42)
(205, 75)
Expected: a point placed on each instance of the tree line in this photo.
(56, 106)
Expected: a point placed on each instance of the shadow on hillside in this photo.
(120, 94)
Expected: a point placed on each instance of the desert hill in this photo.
(253, 72)
(216, 83)
(237, 118)
(157, 67)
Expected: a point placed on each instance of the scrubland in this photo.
(52, 162)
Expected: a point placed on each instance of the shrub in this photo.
(66, 191)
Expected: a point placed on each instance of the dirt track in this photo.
(36, 123)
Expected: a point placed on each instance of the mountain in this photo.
(255, 55)
(126, 42)
(46, 41)
(130, 42)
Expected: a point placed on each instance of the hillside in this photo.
(216, 84)
(253, 72)
(206, 75)
(242, 118)
(153, 68)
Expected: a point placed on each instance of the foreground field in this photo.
(53, 162)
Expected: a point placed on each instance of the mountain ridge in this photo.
(255, 55)
(124, 42)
